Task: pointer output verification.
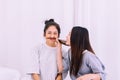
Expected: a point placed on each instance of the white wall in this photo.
(10, 33)
(22, 23)
(21, 27)
(102, 19)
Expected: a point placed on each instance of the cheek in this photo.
(68, 38)
(46, 35)
(56, 36)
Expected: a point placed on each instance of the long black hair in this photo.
(79, 41)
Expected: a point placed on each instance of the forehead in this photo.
(52, 28)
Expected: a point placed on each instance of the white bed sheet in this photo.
(9, 74)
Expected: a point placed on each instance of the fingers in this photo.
(57, 43)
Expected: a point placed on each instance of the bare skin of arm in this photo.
(59, 57)
(59, 61)
(60, 66)
(35, 76)
(89, 77)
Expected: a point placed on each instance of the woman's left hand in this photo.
(84, 77)
(58, 44)
(89, 77)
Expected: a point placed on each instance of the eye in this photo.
(55, 33)
(49, 32)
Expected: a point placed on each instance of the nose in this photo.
(52, 35)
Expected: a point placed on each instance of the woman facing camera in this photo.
(81, 60)
(46, 64)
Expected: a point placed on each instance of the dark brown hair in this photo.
(49, 23)
(79, 41)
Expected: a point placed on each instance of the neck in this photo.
(51, 44)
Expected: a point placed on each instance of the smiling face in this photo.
(51, 35)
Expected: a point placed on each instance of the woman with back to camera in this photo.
(46, 64)
(81, 60)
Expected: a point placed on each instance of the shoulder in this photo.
(39, 46)
(87, 54)
(91, 58)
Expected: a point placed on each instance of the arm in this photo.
(59, 57)
(59, 61)
(35, 76)
(66, 63)
(89, 77)
(63, 62)
(95, 65)
(34, 69)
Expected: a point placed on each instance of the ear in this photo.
(58, 35)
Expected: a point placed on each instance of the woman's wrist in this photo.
(59, 74)
(94, 76)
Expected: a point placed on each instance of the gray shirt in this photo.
(44, 62)
(90, 64)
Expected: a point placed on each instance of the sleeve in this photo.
(34, 62)
(96, 65)
(66, 64)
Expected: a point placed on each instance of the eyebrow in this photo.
(52, 31)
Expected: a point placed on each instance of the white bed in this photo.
(9, 74)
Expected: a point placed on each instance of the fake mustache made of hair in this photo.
(60, 40)
(50, 38)
(63, 42)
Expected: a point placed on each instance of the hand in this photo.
(59, 77)
(59, 56)
(84, 77)
(89, 77)
(58, 44)
(35, 76)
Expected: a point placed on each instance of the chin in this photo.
(53, 41)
